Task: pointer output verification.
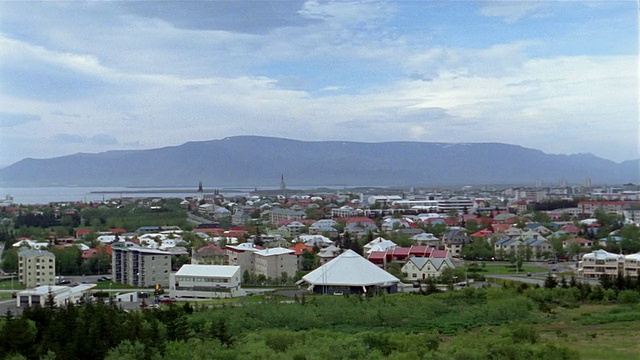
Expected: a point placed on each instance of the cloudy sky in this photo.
(559, 76)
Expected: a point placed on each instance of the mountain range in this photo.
(260, 161)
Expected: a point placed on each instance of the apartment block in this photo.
(36, 268)
(140, 267)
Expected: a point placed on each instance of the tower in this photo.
(200, 195)
(283, 188)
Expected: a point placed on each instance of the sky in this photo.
(558, 76)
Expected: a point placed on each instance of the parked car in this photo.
(104, 278)
(167, 300)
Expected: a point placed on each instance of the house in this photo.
(402, 254)
(315, 240)
(324, 226)
(378, 244)
(329, 253)
(599, 263)
(584, 243)
(350, 273)
(207, 282)
(298, 250)
(240, 218)
(454, 240)
(294, 228)
(36, 267)
(426, 239)
(507, 246)
(209, 255)
(540, 248)
(421, 268)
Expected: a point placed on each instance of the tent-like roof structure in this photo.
(350, 269)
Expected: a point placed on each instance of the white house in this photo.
(420, 268)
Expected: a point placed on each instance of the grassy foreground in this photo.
(597, 332)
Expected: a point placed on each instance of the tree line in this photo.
(384, 326)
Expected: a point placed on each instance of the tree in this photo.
(68, 260)
(550, 282)
(478, 249)
(309, 260)
(10, 260)
(472, 226)
(257, 240)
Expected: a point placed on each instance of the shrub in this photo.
(628, 297)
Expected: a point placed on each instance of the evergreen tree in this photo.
(550, 282)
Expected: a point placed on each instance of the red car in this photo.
(167, 300)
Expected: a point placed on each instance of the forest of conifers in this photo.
(505, 322)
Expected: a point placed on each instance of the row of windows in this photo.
(203, 288)
(202, 279)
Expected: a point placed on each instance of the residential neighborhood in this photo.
(277, 237)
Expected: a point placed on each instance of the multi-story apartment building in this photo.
(241, 255)
(36, 267)
(599, 263)
(273, 262)
(459, 204)
(277, 214)
(632, 213)
(345, 211)
(140, 267)
(268, 262)
(632, 265)
(610, 207)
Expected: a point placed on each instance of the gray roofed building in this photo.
(350, 273)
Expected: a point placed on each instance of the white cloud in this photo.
(512, 11)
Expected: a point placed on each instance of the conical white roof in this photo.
(350, 269)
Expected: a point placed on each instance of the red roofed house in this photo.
(571, 229)
(83, 232)
(209, 255)
(298, 249)
(402, 254)
(584, 243)
(482, 233)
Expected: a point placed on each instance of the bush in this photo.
(628, 297)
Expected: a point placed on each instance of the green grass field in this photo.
(597, 331)
(490, 269)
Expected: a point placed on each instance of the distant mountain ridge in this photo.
(256, 161)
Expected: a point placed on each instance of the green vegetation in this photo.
(510, 322)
